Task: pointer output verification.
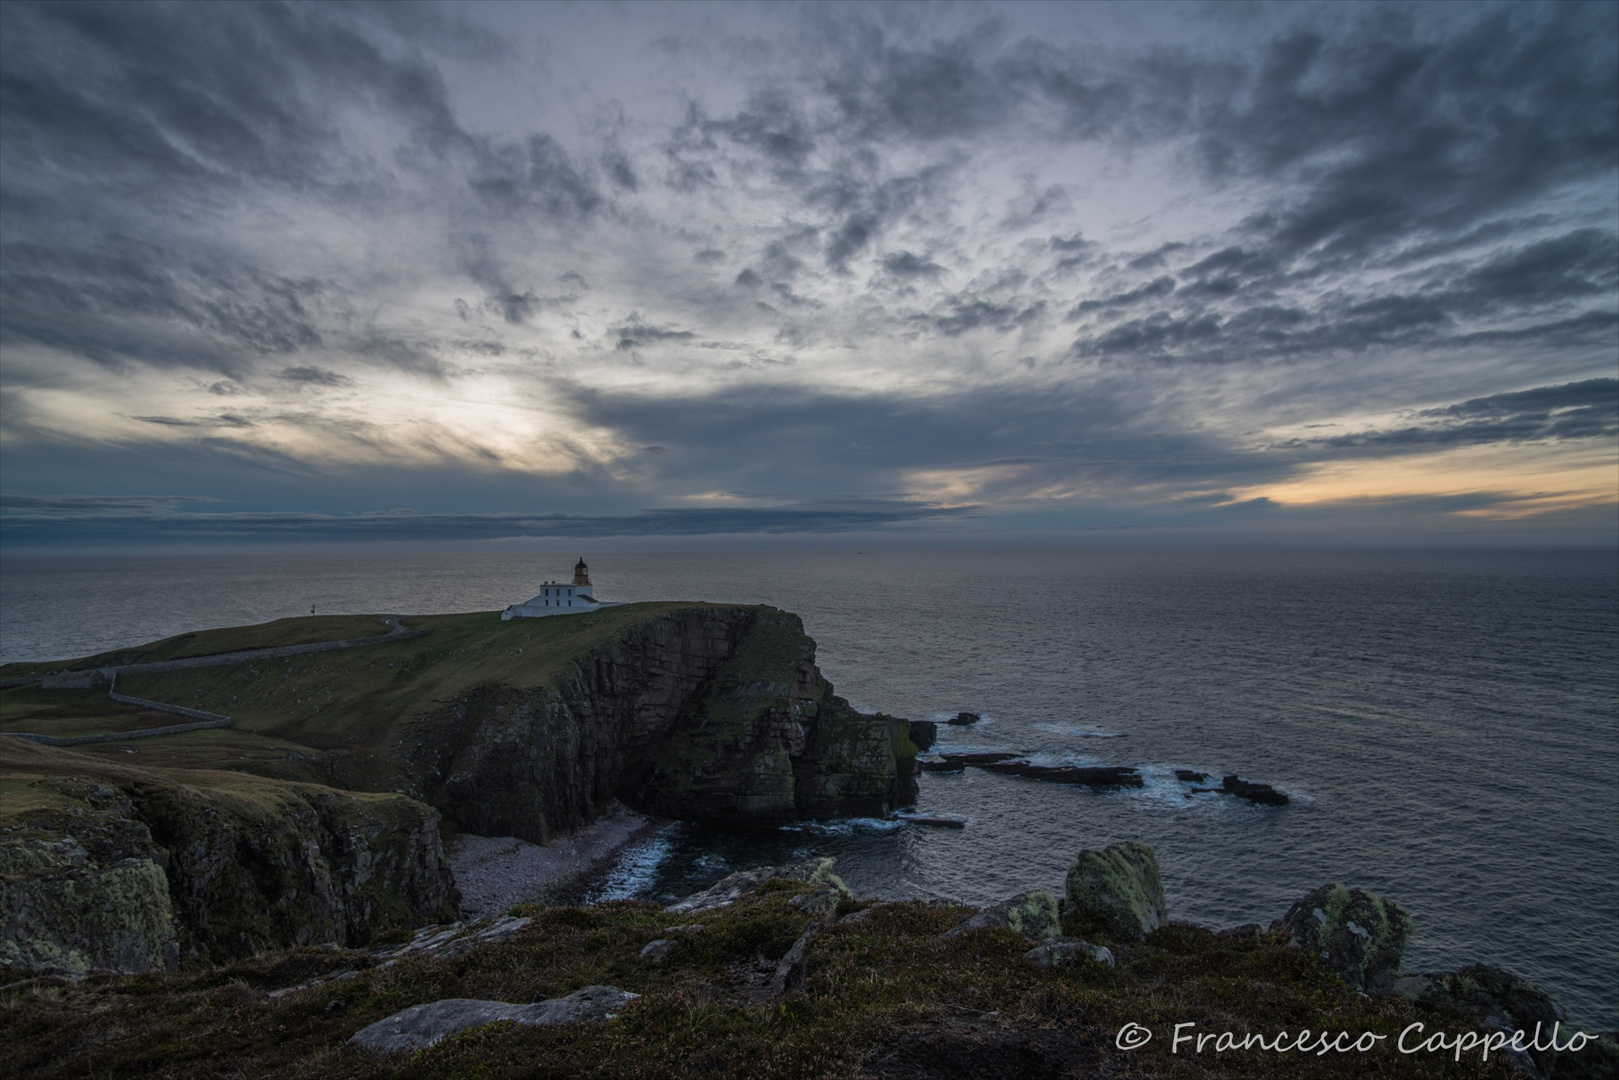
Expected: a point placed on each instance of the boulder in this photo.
(1117, 890)
(732, 888)
(1032, 914)
(962, 719)
(421, 1026)
(1063, 951)
(820, 901)
(655, 952)
(1356, 934)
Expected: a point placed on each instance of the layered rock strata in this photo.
(709, 714)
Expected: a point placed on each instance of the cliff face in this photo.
(127, 869)
(707, 713)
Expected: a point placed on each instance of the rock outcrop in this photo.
(1356, 934)
(420, 1026)
(125, 869)
(1116, 891)
(1032, 914)
(708, 713)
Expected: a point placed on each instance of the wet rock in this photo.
(1356, 934)
(942, 764)
(732, 888)
(1063, 951)
(1117, 890)
(962, 719)
(1191, 776)
(983, 757)
(1094, 776)
(1259, 793)
(421, 1026)
(924, 733)
(935, 820)
(1032, 914)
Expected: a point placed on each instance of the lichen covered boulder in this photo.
(1356, 934)
(421, 1026)
(733, 887)
(1032, 914)
(1116, 891)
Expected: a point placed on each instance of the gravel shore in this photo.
(496, 872)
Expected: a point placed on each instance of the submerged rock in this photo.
(1117, 890)
(1092, 776)
(962, 719)
(1065, 950)
(1356, 934)
(421, 1026)
(1032, 914)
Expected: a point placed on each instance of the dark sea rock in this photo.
(1356, 934)
(421, 1026)
(1099, 776)
(1259, 793)
(1032, 914)
(982, 757)
(945, 764)
(1191, 776)
(962, 719)
(1117, 890)
(924, 733)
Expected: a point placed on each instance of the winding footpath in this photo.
(83, 679)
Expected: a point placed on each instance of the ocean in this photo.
(1446, 722)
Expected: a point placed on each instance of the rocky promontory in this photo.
(312, 813)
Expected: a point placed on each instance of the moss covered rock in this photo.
(1356, 934)
(1032, 914)
(1116, 892)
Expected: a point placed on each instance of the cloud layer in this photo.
(664, 270)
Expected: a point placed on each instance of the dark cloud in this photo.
(79, 519)
(1157, 288)
(314, 376)
(130, 301)
(1581, 410)
(905, 264)
(633, 333)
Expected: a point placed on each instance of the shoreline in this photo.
(496, 873)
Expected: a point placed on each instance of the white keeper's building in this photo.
(556, 598)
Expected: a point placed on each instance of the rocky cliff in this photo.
(124, 869)
(705, 713)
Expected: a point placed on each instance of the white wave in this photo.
(632, 875)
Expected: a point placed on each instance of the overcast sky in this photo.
(954, 273)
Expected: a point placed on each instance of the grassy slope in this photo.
(296, 631)
(289, 711)
(880, 998)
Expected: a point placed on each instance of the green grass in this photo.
(74, 712)
(879, 997)
(290, 711)
(302, 630)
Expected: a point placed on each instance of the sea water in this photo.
(1446, 723)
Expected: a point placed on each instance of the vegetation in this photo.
(883, 996)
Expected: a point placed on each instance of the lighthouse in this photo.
(555, 598)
